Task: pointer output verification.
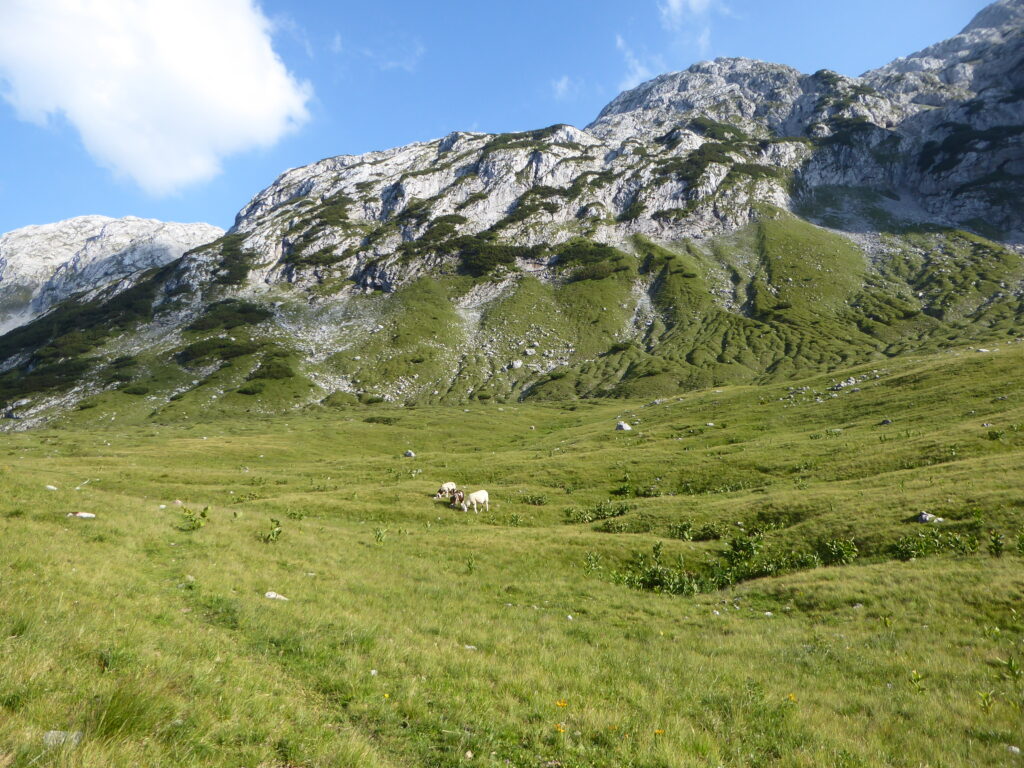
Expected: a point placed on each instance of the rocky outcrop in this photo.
(43, 265)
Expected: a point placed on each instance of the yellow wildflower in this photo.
(561, 703)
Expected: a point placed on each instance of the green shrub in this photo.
(681, 531)
(600, 511)
(996, 543)
(215, 349)
(633, 211)
(388, 420)
(235, 263)
(480, 256)
(274, 368)
(837, 551)
(227, 314)
(707, 532)
(252, 388)
(593, 272)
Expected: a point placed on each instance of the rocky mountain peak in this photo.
(1003, 13)
(41, 265)
(736, 90)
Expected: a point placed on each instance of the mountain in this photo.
(43, 265)
(739, 221)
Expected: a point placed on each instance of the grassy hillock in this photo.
(739, 580)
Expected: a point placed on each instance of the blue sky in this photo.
(287, 83)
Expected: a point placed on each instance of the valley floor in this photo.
(542, 632)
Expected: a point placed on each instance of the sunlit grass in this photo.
(414, 634)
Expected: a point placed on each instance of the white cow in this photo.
(477, 497)
(446, 490)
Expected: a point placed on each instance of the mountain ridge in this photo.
(737, 221)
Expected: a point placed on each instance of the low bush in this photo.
(600, 511)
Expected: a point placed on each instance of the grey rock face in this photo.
(941, 129)
(43, 265)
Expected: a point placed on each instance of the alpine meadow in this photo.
(738, 366)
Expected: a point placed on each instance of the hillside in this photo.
(738, 580)
(736, 222)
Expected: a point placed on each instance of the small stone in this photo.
(410, 455)
(769, 614)
(60, 738)
(51, 487)
(1013, 750)
(623, 427)
(274, 596)
(885, 422)
(516, 365)
(83, 515)
(710, 424)
(373, 673)
(469, 647)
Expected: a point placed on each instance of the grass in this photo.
(414, 634)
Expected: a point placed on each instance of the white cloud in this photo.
(674, 12)
(159, 91)
(400, 57)
(337, 46)
(563, 87)
(704, 41)
(636, 70)
(284, 23)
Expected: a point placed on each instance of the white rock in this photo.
(623, 427)
(51, 487)
(274, 596)
(83, 515)
(409, 455)
(61, 738)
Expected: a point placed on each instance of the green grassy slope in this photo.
(415, 634)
